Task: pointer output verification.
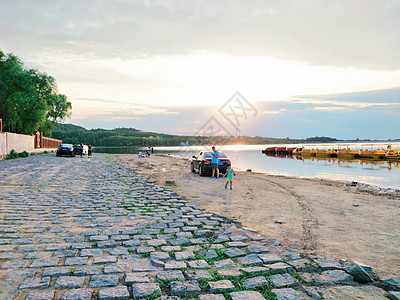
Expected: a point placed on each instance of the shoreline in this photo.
(372, 189)
(308, 215)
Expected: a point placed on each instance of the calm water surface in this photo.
(381, 173)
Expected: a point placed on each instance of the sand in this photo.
(311, 216)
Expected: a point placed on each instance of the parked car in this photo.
(77, 147)
(202, 163)
(65, 149)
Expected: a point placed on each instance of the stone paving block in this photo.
(103, 281)
(163, 256)
(247, 295)
(35, 283)
(114, 293)
(85, 270)
(143, 290)
(56, 271)
(355, 270)
(198, 274)
(291, 256)
(254, 270)
(233, 273)
(251, 283)
(208, 254)
(327, 264)
(184, 255)
(352, 292)
(145, 249)
(130, 278)
(225, 264)
(221, 286)
(73, 261)
(303, 265)
(392, 295)
(327, 277)
(7, 255)
(41, 263)
(91, 252)
(15, 264)
(234, 252)
(104, 260)
(172, 275)
(173, 265)
(40, 295)
(283, 280)
(77, 294)
(118, 251)
(288, 293)
(69, 282)
(198, 264)
(212, 297)
(248, 260)
(279, 268)
(38, 255)
(138, 264)
(258, 249)
(65, 253)
(113, 268)
(170, 248)
(237, 244)
(269, 258)
(185, 288)
(392, 284)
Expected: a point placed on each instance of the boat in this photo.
(269, 150)
(347, 153)
(302, 151)
(379, 154)
(393, 153)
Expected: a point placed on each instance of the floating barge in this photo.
(342, 151)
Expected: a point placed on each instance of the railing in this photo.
(45, 142)
(50, 143)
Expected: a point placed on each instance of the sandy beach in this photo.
(311, 216)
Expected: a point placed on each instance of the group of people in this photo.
(215, 169)
(147, 153)
(81, 150)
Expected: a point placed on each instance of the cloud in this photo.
(359, 33)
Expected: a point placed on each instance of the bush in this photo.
(23, 154)
(13, 154)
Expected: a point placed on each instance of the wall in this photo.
(3, 144)
(18, 142)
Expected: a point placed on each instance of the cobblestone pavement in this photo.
(79, 228)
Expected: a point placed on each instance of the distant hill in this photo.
(73, 134)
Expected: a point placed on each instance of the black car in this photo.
(202, 162)
(65, 149)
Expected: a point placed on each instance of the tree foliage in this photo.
(73, 134)
(29, 100)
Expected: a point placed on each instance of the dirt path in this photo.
(308, 215)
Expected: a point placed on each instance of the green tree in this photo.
(29, 100)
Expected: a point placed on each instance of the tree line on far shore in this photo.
(73, 134)
(29, 99)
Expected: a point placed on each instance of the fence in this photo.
(45, 142)
(28, 143)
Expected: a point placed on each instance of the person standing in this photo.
(89, 150)
(81, 149)
(229, 175)
(214, 162)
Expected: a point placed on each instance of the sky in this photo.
(302, 67)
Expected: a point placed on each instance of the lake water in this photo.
(380, 173)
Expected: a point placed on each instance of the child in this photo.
(229, 175)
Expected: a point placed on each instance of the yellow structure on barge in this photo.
(347, 153)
